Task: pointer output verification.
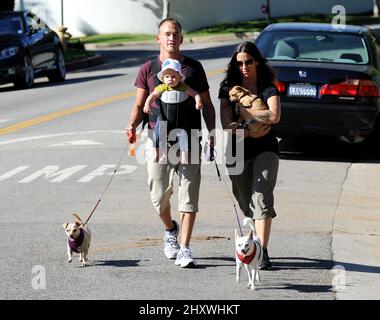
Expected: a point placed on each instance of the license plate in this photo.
(302, 90)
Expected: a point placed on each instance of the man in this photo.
(160, 175)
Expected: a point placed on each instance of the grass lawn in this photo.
(226, 28)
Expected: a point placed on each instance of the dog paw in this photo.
(68, 261)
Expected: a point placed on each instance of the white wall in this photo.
(142, 16)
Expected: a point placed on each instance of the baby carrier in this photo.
(176, 109)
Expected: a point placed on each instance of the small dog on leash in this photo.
(249, 252)
(78, 239)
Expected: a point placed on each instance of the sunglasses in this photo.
(248, 62)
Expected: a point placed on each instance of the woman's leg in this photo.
(265, 177)
(242, 188)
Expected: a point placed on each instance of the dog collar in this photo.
(246, 259)
(76, 243)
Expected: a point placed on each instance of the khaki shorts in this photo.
(253, 189)
(160, 181)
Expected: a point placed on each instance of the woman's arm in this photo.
(226, 117)
(270, 116)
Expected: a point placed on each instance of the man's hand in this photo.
(130, 133)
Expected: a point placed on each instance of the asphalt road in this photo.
(60, 162)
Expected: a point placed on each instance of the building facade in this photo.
(84, 17)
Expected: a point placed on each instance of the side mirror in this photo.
(31, 30)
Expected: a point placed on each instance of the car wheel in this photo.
(59, 72)
(26, 78)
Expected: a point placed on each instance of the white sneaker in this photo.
(171, 246)
(184, 259)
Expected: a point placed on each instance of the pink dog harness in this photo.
(246, 259)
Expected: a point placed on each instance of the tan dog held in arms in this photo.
(78, 239)
(244, 97)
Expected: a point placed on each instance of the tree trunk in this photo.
(166, 7)
(376, 7)
(269, 17)
(7, 5)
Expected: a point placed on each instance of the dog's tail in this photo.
(249, 222)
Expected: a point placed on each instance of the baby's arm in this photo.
(196, 96)
(150, 100)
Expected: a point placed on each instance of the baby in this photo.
(172, 91)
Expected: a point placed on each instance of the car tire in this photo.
(26, 79)
(58, 74)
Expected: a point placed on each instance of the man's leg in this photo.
(187, 224)
(188, 195)
(166, 218)
(160, 181)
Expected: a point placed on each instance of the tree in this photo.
(7, 5)
(376, 7)
(166, 9)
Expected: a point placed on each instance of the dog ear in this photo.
(77, 218)
(250, 234)
(65, 225)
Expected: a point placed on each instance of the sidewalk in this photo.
(356, 233)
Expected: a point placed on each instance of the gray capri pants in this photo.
(253, 188)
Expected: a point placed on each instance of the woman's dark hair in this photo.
(265, 74)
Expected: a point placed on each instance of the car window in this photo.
(35, 22)
(315, 46)
(11, 24)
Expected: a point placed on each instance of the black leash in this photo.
(108, 184)
(211, 157)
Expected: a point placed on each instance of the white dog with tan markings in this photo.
(78, 239)
(249, 252)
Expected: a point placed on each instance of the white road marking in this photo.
(47, 136)
(77, 143)
(13, 172)
(98, 172)
(53, 173)
(5, 120)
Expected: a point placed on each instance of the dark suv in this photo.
(28, 49)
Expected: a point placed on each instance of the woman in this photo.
(253, 187)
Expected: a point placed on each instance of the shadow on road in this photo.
(115, 263)
(211, 265)
(131, 57)
(45, 83)
(329, 150)
(292, 263)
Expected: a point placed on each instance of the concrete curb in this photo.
(95, 60)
